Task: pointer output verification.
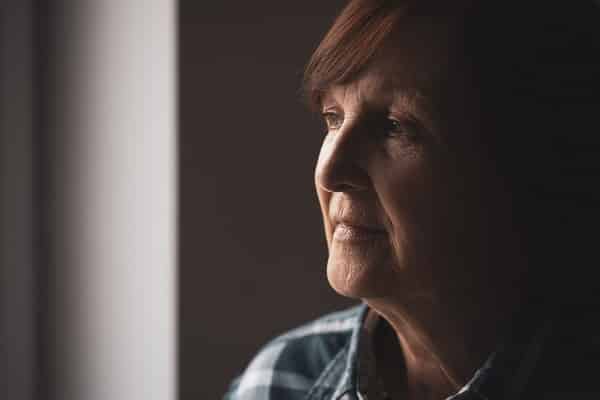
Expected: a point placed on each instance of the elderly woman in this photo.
(454, 182)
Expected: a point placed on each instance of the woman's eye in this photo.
(332, 120)
(404, 129)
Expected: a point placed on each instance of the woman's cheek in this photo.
(406, 192)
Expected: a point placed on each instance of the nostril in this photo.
(344, 187)
(343, 178)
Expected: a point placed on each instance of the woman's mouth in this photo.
(354, 233)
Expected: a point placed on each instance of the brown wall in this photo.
(252, 252)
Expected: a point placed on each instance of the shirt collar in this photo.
(505, 373)
(502, 376)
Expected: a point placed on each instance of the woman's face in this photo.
(403, 186)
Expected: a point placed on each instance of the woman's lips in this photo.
(353, 233)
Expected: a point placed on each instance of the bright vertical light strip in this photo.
(112, 201)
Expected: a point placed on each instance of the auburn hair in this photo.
(356, 36)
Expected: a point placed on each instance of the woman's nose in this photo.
(341, 166)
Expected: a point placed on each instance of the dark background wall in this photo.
(17, 278)
(252, 251)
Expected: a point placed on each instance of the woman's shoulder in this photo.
(293, 362)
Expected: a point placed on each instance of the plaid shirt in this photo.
(330, 359)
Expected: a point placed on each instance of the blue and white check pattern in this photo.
(322, 360)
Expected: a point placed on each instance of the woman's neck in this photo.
(438, 351)
(405, 376)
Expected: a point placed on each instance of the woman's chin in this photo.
(358, 275)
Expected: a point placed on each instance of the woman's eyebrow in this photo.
(378, 97)
(404, 101)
